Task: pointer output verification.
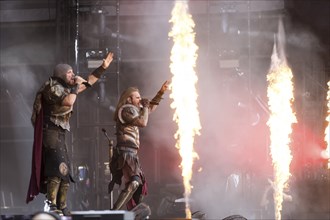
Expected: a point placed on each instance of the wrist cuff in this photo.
(98, 72)
(74, 89)
(156, 100)
(87, 84)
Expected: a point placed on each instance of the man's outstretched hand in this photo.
(165, 86)
(107, 60)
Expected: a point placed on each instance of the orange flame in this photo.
(327, 129)
(183, 91)
(280, 98)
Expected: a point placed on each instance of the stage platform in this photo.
(139, 214)
(106, 216)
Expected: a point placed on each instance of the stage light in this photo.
(82, 172)
(95, 57)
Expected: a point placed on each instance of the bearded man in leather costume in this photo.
(131, 113)
(52, 109)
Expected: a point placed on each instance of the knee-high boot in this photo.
(62, 197)
(126, 194)
(53, 184)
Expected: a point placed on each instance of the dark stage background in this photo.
(235, 40)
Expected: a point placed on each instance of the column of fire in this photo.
(183, 91)
(280, 98)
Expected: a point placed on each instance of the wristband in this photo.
(74, 89)
(98, 72)
(87, 84)
(156, 100)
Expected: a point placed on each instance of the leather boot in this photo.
(53, 184)
(126, 195)
(61, 198)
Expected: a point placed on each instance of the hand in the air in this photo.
(165, 86)
(107, 60)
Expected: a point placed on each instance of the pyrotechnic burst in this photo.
(327, 128)
(280, 99)
(183, 91)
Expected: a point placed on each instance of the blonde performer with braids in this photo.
(132, 112)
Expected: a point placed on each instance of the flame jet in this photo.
(183, 91)
(327, 129)
(280, 98)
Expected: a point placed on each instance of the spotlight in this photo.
(82, 172)
(95, 57)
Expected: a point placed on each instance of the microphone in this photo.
(105, 133)
(110, 145)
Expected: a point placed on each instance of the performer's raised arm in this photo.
(158, 97)
(95, 75)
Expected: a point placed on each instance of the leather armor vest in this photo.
(53, 95)
(127, 134)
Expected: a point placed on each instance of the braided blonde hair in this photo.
(123, 99)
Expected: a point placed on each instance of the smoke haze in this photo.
(230, 176)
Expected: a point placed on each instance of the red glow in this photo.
(307, 147)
